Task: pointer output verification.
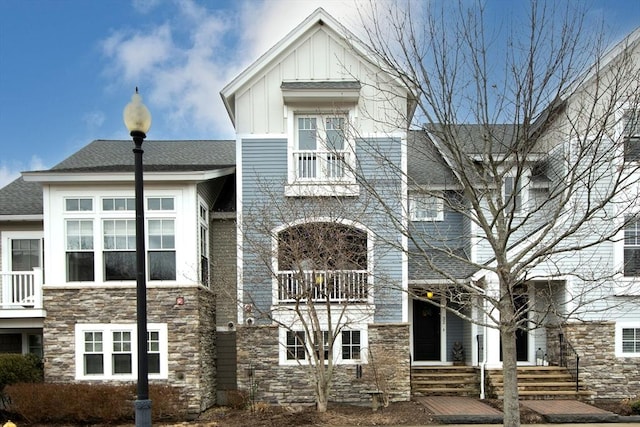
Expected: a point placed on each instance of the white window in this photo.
(631, 134)
(347, 347)
(425, 207)
(203, 219)
(627, 339)
(162, 249)
(632, 246)
(108, 351)
(76, 204)
(100, 245)
(79, 250)
(321, 151)
(295, 347)
(351, 345)
(512, 194)
(321, 155)
(119, 244)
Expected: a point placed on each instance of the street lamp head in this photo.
(136, 116)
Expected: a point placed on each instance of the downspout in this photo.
(483, 366)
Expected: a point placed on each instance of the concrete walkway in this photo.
(466, 410)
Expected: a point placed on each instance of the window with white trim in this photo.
(631, 134)
(512, 193)
(162, 249)
(100, 245)
(631, 340)
(347, 346)
(295, 346)
(79, 250)
(119, 244)
(425, 207)
(350, 345)
(632, 246)
(203, 219)
(107, 351)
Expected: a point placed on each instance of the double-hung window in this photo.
(631, 134)
(630, 340)
(203, 219)
(119, 240)
(512, 194)
(107, 351)
(295, 345)
(321, 152)
(425, 207)
(351, 345)
(162, 249)
(79, 250)
(632, 246)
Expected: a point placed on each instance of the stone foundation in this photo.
(263, 379)
(608, 376)
(191, 333)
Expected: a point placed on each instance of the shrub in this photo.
(20, 368)
(89, 403)
(635, 406)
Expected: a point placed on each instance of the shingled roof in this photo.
(116, 156)
(22, 197)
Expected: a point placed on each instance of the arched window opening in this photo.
(322, 261)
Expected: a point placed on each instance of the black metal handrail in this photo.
(568, 354)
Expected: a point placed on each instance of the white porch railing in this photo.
(315, 165)
(21, 289)
(336, 286)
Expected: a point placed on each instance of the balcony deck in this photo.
(21, 293)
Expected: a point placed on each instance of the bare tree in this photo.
(523, 127)
(319, 259)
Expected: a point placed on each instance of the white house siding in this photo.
(319, 55)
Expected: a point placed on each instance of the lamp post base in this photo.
(143, 413)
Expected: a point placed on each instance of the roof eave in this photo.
(86, 177)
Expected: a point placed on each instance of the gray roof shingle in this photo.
(116, 156)
(420, 270)
(21, 197)
(25, 197)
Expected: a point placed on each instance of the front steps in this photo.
(534, 382)
(539, 382)
(445, 381)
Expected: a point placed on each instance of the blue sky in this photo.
(68, 67)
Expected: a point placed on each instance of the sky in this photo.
(68, 67)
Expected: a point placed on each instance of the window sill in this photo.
(321, 190)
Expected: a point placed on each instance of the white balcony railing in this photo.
(21, 289)
(315, 165)
(334, 286)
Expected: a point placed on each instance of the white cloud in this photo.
(188, 59)
(10, 171)
(93, 119)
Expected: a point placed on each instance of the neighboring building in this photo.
(223, 288)
(80, 313)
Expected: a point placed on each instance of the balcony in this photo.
(20, 290)
(322, 166)
(337, 286)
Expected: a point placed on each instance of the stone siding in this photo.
(224, 267)
(608, 376)
(261, 376)
(190, 327)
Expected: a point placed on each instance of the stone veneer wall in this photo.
(608, 376)
(190, 327)
(258, 353)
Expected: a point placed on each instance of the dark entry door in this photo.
(426, 331)
(521, 301)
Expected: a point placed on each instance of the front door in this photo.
(426, 331)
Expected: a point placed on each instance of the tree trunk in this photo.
(510, 379)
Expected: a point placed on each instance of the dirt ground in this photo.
(399, 413)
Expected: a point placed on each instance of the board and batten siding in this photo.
(319, 55)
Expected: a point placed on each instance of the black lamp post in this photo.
(138, 120)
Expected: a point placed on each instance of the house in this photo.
(77, 220)
(322, 212)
